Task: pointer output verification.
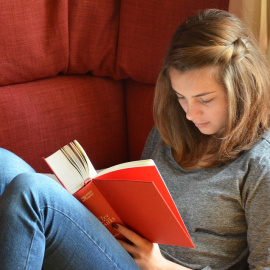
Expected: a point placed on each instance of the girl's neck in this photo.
(201, 161)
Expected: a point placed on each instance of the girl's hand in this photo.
(146, 254)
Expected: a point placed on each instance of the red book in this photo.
(132, 193)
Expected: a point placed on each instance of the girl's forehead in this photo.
(197, 81)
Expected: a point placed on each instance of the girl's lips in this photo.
(200, 125)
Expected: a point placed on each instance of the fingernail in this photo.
(115, 226)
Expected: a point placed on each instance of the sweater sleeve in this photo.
(150, 143)
(256, 203)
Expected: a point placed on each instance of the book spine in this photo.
(93, 200)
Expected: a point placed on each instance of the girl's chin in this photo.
(210, 132)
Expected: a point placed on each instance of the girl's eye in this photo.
(179, 97)
(206, 101)
(181, 100)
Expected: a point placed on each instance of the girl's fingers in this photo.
(129, 234)
(131, 249)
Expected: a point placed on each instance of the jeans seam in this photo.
(29, 251)
(77, 225)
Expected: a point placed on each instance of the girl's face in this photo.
(202, 98)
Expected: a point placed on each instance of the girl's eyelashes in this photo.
(203, 101)
(206, 101)
(179, 96)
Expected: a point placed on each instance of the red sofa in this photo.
(84, 70)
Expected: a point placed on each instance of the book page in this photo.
(90, 168)
(131, 164)
(66, 173)
(71, 166)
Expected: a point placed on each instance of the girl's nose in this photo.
(193, 112)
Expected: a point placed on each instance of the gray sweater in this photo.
(225, 209)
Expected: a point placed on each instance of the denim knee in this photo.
(35, 183)
(11, 162)
(10, 166)
(30, 193)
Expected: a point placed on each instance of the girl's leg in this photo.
(41, 224)
(10, 166)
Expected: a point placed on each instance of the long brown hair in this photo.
(215, 38)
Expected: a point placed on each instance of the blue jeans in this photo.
(43, 226)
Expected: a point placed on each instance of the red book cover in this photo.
(142, 200)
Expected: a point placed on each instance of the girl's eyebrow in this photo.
(204, 94)
(199, 95)
(177, 93)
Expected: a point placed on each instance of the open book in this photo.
(132, 193)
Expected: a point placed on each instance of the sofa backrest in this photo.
(40, 39)
(118, 39)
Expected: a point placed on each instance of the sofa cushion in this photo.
(139, 110)
(93, 27)
(40, 39)
(38, 118)
(33, 44)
